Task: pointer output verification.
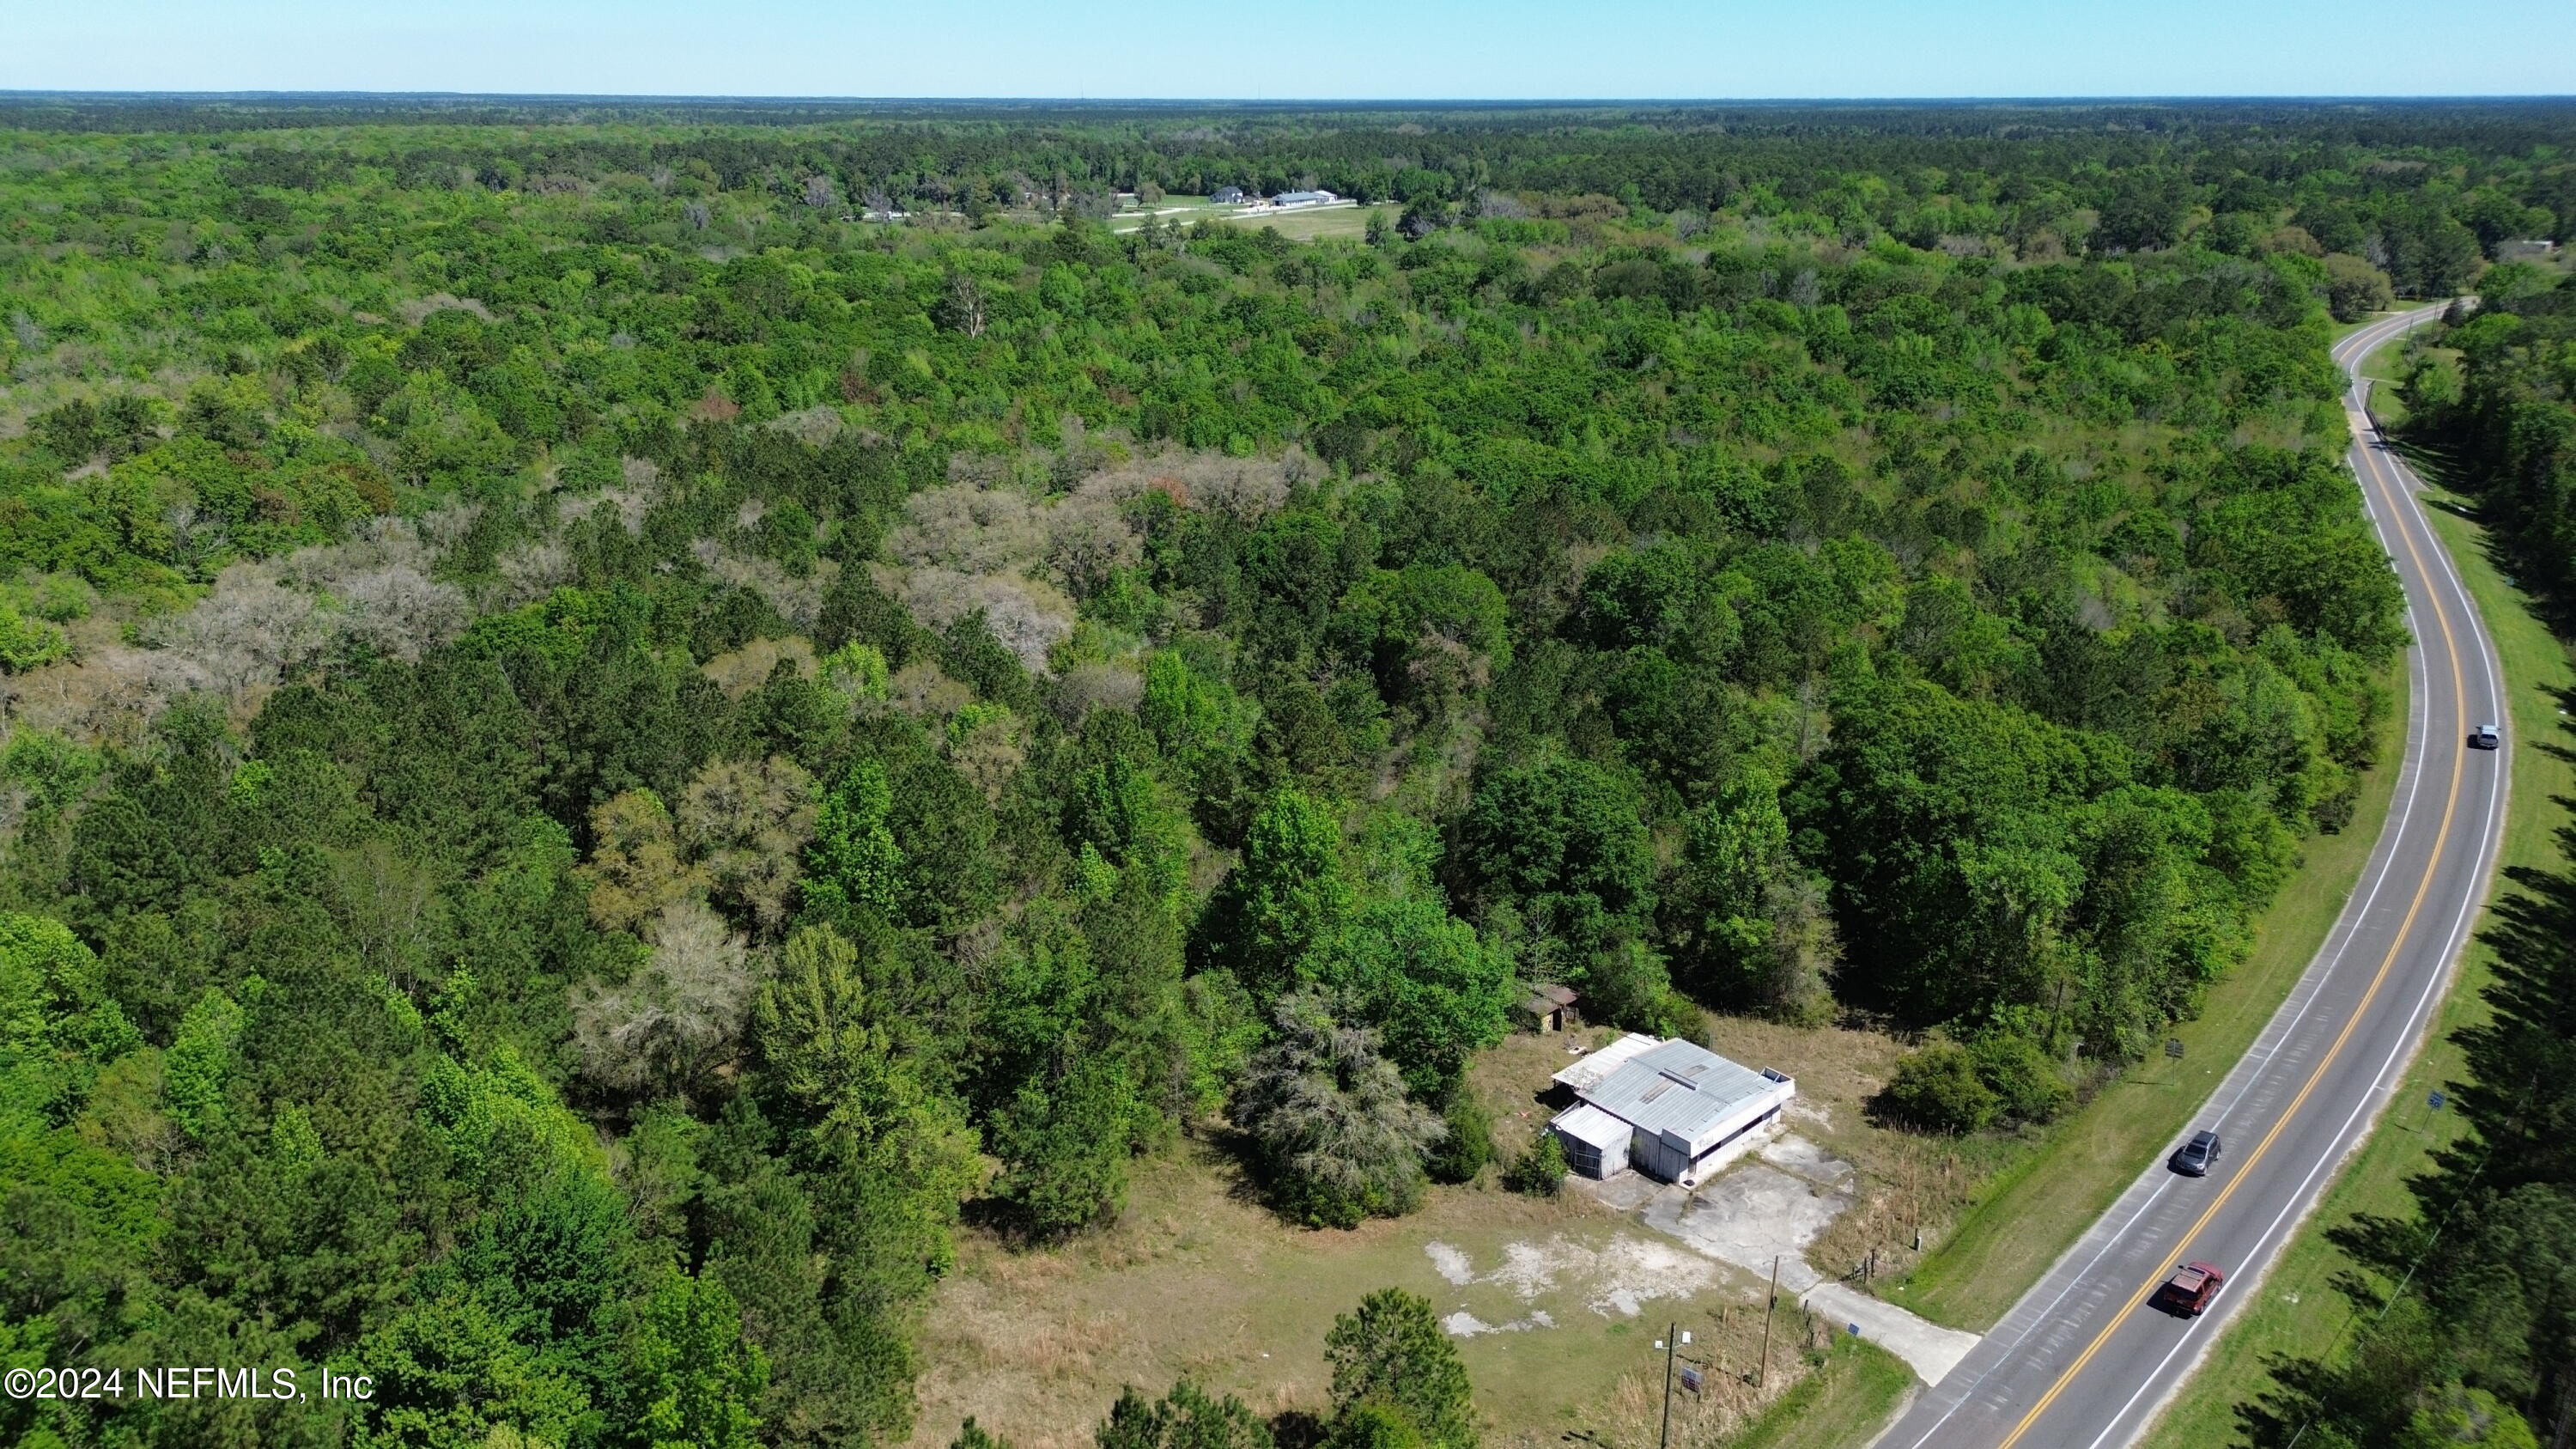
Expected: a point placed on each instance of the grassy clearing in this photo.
(2055, 1184)
(2387, 368)
(1338, 221)
(1199, 1279)
(2301, 1314)
(1853, 1396)
(1172, 211)
(1349, 222)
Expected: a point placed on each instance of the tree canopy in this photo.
(605, 744)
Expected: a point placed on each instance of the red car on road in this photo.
(2191, 1289)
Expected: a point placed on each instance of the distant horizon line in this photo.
(1266, 102)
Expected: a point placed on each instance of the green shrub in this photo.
(28, 643)
(1938, 1090)
(2025, 1081)
(1540, 1169)
(1470, 1143)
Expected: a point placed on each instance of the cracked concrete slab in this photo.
(1625, 1193)
(1615, 1278)
(1749, 1217)
(1807, 1160)
(1770, 1209)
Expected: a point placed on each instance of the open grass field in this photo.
(1177, 210)
(1330, 221)
(2056, 1183)
(1349, 222)
(1567, 1295)
(2301, 1313)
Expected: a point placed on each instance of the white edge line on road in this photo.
(2313, 980)
(2402, 1056)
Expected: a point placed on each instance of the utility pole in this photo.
(1672, 1345)
(1763, 1375)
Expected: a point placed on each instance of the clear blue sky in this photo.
(1279, 49)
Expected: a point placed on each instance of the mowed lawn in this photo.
(2301, 1314)
(1171, 211)
(1337, 221)
(2038, 1204)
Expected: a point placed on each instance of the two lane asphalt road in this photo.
(2084, 1361)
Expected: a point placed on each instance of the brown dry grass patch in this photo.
(1198, 1279)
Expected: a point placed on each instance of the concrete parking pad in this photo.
(1767, 1211)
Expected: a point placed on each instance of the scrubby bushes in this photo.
(1467, 1141)
(2000, 1077)
(1539, 1169)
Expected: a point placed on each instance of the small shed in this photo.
(1596, 1144)
(1550, 1008)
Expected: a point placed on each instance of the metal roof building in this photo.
(1672, 1109)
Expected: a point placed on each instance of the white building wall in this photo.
(1668, 1157)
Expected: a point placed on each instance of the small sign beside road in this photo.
(2173, 1047)
(2435, 1101)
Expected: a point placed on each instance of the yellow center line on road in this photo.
(2405, 928)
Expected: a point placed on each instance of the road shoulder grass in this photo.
(2301, 1314)
(1848, 1400)
(2041, 1202)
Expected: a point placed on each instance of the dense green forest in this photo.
(603, 753)
(2503, 412)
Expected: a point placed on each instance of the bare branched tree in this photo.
(679, 1015)
(964, 311)
(247, 633)
(386, 904)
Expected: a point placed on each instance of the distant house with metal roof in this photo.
(1673, 1110)
(1303, 198)
(1226, 196)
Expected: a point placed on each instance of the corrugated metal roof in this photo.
(1676, 1087)
(1587, 1073)
(1586, 1123)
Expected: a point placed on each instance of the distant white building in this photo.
(1303, 198)
(1226, 196)
(1672, 1110)
(2522, 251)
